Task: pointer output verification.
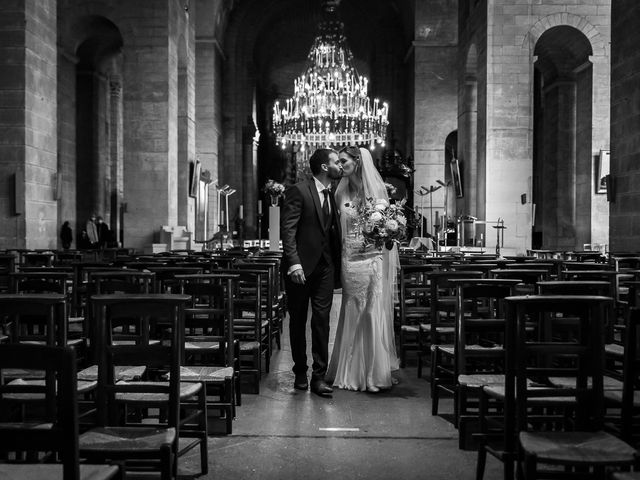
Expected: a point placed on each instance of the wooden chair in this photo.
(118, 435)
(270, 292)
(38, 317)
(413, 312)
(478, 352)
(57, 430)
(41, 319)
(165, 276)
(442, 295)
(211, 355)
(251, 327)
(627, 398)
(527, 276)
(7, 266)
(548, 425)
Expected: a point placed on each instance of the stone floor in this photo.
(283, 433)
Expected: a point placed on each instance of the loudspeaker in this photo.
(611, 188)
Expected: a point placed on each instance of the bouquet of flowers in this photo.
(382, 224)
(274, 189)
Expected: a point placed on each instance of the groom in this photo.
(310, 231)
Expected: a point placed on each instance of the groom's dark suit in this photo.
(309, 241)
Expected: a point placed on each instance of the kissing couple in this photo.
(323, 250)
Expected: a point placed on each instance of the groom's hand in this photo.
(297, 276)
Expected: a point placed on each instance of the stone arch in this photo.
(89, 117)
(562, 133)
(597, 40)
(73, 28)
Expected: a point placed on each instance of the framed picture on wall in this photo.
(455, 176)
(196, 168)
(603, 171)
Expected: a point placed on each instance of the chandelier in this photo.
(330, 104)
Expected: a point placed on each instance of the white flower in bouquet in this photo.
(381, 205)
(375, 216)
(382, 224)
(391, 225)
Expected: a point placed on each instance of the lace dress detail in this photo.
(364, 350)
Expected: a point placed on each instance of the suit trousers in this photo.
(318, 290)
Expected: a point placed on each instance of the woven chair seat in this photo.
(497, 391)
(123, 439)
(570, 382)
(83, 387)
(477, 380)
(426, 328)
(71, 342)
(615, 397)
(133, 342)
(249, 346)
(125, 373)
(187, 390)
(241, 324)
(410, 328)
(626, 476)
(192, 346)
(614, 349)
(205, 374)
(560, 447)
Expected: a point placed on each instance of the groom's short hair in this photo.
(320, 157)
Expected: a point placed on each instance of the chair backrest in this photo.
(552, 353)
(165, 281)
(35, 317)
(210, 310)
(61, 409)
(480, 309)
(630, 374)
(149, 313)
(442, 286)
(414, 291)
(40, 282)
(248, 297)
(120, 281)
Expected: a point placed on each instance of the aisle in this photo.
(287, 434)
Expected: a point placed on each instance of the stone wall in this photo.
(625, 126)
(435, 97)
(29, 126)
(512, 30)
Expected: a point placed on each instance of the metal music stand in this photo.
(500, 228)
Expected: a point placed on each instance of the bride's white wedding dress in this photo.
(364, 351)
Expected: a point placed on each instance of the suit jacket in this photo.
(303, 236)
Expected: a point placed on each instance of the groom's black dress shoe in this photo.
(320, 387)
(301, 382)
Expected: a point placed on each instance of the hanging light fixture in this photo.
(330, 105)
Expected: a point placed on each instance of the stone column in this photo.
(249, 188)
(28, 151)
(115, 140)
(469, 157)
(565, 158)
(208, 115)
(148, 93)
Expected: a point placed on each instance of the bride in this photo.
(364, 351)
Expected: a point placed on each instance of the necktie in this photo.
(325, 207)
